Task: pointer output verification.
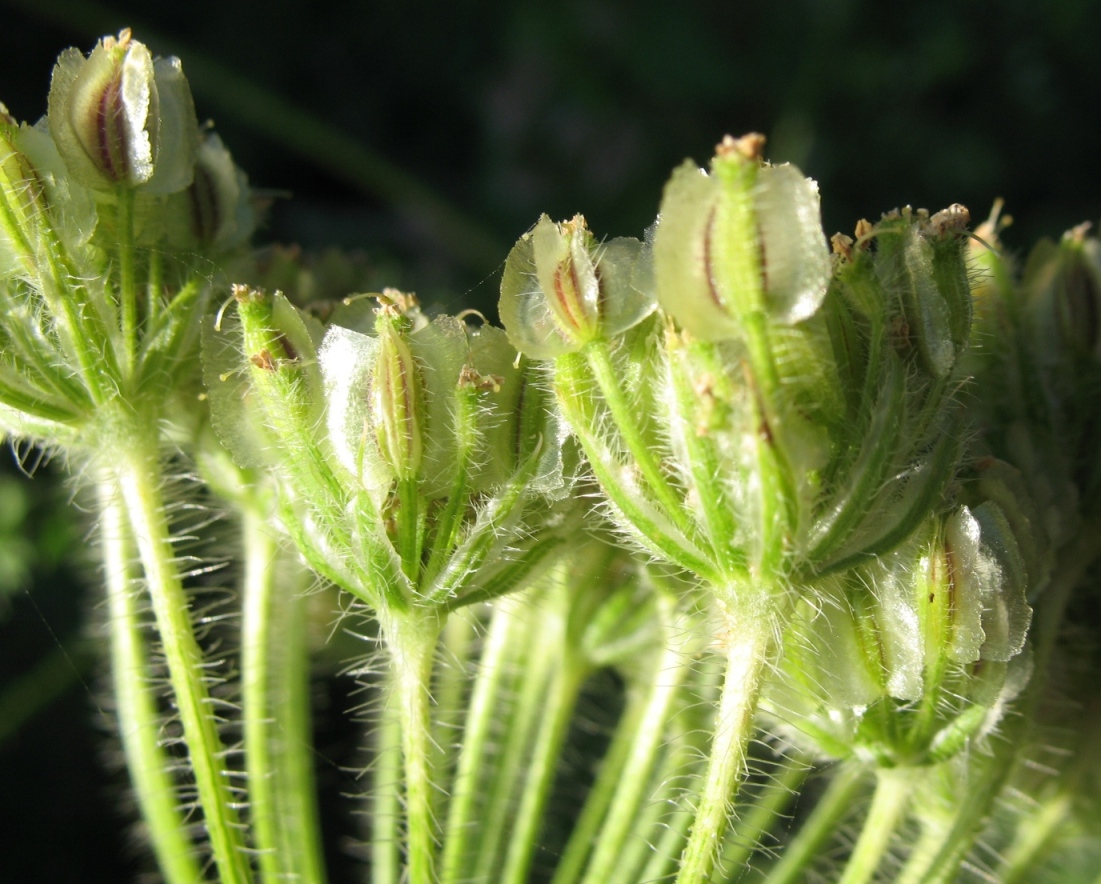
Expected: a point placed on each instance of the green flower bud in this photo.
(40, 198)
(1063, 282)
(122, 119)
(920, 265)
(906, 660)
(562, 289)
(743, 239)
(395, 397)
(215, 212)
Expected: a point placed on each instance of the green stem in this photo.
(140, 479)
(256, 700)
(274, 689)
(748, 651)
(585, 830)
(135, 704)
(702, 455)
(660, 831)
(616, 478)
(128, 283)
(449, 523)
(412, 640)
(62, 302)
(625, 417)
(635, 779)
(154, 287)
(1030, 846)
(819, 827)
(474, 754)
(449, 690)
(771, 801)
(554, 726)
(893, 789)
(301, 818)
(532, 652)
(386, 797)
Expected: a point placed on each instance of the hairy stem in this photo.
(554, 725)
(770, 801)
(474, 754)
(819, 827)
(893, 789)
(140, 477)
(748, 650)
(625, 416)
(135, 704)
(412, 640)
(386, 797)
(531, 655)
(583, 837)
(669, 674)
(274, 695)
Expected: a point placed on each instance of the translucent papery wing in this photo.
(525, 312)
(1006, 614)
(346, 359)
(72, 206)
(625, 268)
(795, 258)
(682, 256)
(232, 416)
(441, 351)
(494, 359)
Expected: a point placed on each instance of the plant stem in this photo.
(449, 690)
(617, 479)
(473, 756)
(769, 802)
(893, 789)
(659, 833)
(140, 477)
(625, 417)
(386, 797)
(1029, 847)
(532, 654)
(256, 700)
(554, 725)
(412, 639)
(274, 695)
(635, 779)
(584, 834)
(820, 826)
(135, 705)
(748, 651)
(128, 284)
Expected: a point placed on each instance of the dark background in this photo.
(430, 135)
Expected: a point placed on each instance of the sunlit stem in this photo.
(135, 704)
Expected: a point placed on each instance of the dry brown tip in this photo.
(842, 245)
(954, 219)
(749, 146)
(263, 360)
